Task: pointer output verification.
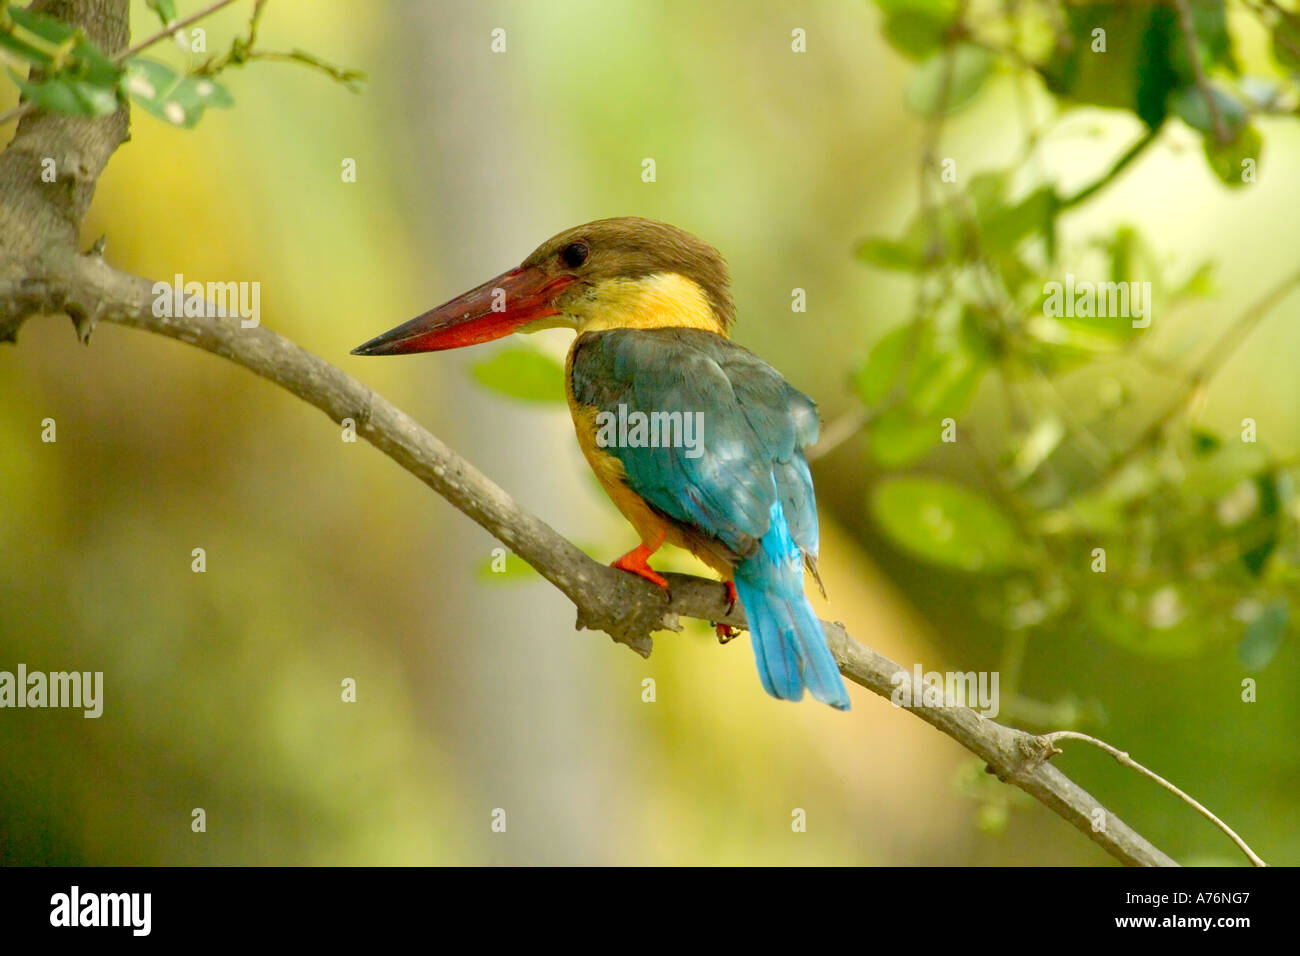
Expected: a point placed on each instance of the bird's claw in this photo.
(635, 562)
(725, 631)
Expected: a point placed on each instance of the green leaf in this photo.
(986, 189)
(1005, 226)
(1215, 470)
(1262, 532)
(1264, 635)
(54, 46)
(174, 97)
(69, 97)
(1134, 72)
(1286, 41)
(1191, 106)
(942, 378)
(916, 33)
(34, 37)
(948, 80)
(946, 524)
(931, 238)
(1198, 285)
(898, 436)
(1229, 160)
(1157, 75)
(522, 373)
(77, 79)
(944, 383)
(166, 10)
(947, 371)
(1073, 338)
(1159, 620)
(889, 254)
(877, 377)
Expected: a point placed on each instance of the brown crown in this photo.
(630, 247)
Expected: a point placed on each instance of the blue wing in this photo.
(753, 429)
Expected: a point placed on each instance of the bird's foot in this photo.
(725, 631)
(636, 562)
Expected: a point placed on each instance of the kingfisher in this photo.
(697, 441)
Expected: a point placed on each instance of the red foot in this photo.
(636, 562)
(725, 631)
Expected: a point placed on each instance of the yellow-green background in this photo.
(326, 561)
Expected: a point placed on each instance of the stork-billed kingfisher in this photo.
(652, 310)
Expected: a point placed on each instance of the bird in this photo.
(696, 440)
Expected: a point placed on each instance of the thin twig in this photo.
(840, 430)
(1198, 71)
(171, 28)
(1129, 155)
(1220, 351)
(1129, 762)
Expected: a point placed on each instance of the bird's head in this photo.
(612, 273)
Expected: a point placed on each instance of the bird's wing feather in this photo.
(786, 419)
(754, 427)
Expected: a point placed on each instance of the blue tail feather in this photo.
(789, 643)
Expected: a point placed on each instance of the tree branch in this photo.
(1127, 761)
(1188, 28)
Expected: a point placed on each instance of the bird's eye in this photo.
(575, 254)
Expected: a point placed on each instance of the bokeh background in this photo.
(326, 561)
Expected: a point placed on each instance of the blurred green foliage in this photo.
(325, 560)
(523, 373)
(1198, 530)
